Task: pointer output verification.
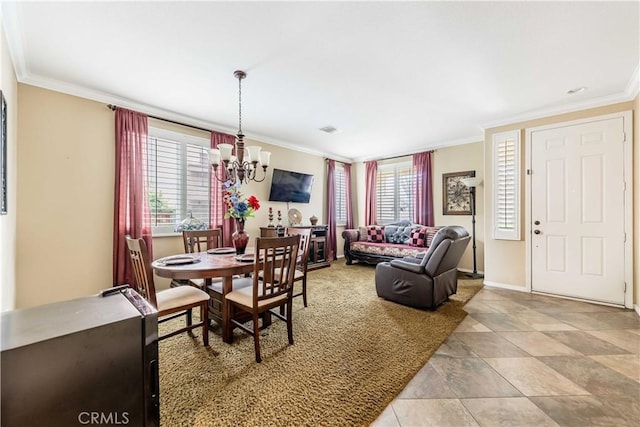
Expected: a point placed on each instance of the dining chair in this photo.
(300, 273)
(198, 241)
(271, 286)
(170, 303)
(201, 240)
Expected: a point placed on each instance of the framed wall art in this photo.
(456, 199)
(3, 155)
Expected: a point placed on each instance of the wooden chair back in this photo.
(201, 240)
(143, 274)
(274, 266)
(305, 244)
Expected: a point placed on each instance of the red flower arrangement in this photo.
(236, 206)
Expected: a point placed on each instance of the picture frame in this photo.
(456, 198)
(3, 154)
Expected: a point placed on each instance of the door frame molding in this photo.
(627, 118)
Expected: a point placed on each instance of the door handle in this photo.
(536, 231)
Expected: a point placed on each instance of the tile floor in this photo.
(528, 360)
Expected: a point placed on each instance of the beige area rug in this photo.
(353, 353)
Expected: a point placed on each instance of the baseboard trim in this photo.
(507, 286)
(636, 307)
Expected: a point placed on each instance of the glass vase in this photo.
(240, 238)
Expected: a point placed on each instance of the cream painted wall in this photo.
(9, 87)
(461, 158)
(505, 261)
(359, 193)
(65, 213)
(65, 203)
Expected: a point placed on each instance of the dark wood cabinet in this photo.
(318, 245)
(318, 252)
(271, 231)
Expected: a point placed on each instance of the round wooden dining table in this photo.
(208, 266)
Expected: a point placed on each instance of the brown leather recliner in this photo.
(428, 279)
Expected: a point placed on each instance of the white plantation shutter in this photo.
(178, 178)
(394, 192)
(340, 195)
(506, 185)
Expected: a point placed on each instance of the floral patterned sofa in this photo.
(377, 243)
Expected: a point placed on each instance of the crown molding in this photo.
(12, 23)
(633, 86)
(106, 98)
(427, 147)
(625, 96)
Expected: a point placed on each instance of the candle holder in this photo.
(270, 218)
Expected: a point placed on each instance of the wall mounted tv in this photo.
(288, 186)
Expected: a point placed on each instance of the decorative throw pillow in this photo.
(396, 237)
(375, 234)
(418, 237)
(362, 235)
(430, 236)
(405, 235)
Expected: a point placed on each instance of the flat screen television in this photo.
(289, 186)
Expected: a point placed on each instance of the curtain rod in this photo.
(401, 155)
(114, 107)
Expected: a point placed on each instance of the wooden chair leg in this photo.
(189, 320)
(204, 315)
(256, 336)
(290, 320)
(304, 290)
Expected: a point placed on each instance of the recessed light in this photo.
(576, 90)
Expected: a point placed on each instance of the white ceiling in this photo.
(394, 77)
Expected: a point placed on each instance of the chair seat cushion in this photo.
(297, 274)
(244, 295)
(172, 298)
(237, 284)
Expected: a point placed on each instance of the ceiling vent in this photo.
(576, 90)
(329, 129)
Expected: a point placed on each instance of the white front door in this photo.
(578, 210)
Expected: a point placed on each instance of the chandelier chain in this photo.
(239, 169)
(239, 105)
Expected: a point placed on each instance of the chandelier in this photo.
(241, 167)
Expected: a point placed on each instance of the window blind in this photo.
(506, 187)
(178, 174)
(340, 195)
(394, 192)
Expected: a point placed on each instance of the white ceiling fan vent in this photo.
(329, 129)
